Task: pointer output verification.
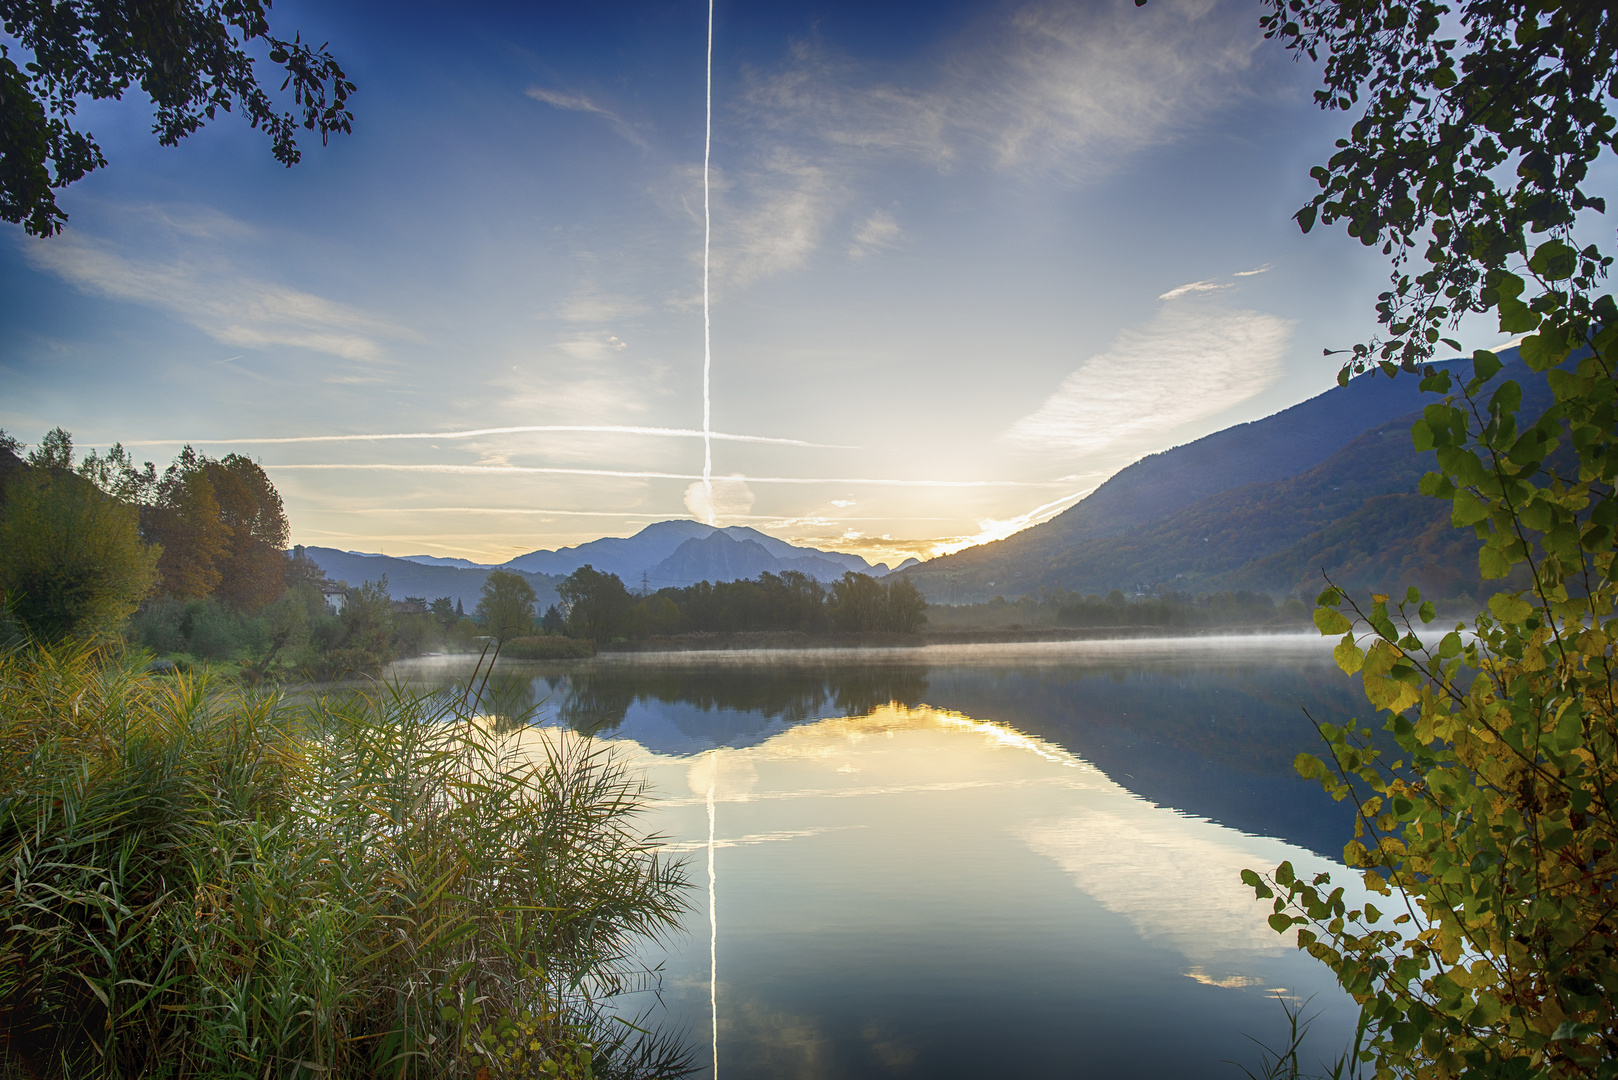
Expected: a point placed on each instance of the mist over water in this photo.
(959, 861)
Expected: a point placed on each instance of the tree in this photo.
(553, 621)
(598, 605)
(221, 523)
(185, 519)
(55, 450)
(189, 57)
(907, 608)
(72, 563)
(1479, 131)
(858, 603)
(506, 607)
(252, 569)
(1494, 835)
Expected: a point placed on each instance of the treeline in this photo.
(189, 563)
(597, 607)
(1058, 607)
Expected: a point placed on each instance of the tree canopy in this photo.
(190, 57)
(72, 563)
(506, 606)
(1480, 123)
(1493, 833)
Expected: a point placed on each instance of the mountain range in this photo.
(665, 553)
(1328, 485)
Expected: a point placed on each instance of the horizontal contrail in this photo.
(636, 475)
(660, 515)
(609, 429)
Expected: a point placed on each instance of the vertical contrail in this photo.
(713, 925)
(707, 240)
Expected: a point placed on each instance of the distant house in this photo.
(336, 595)
(409, 607)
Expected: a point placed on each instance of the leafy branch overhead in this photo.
(190, 58)
(1479, 124)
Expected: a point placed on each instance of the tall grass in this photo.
(197, 880)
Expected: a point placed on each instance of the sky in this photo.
(968, 260)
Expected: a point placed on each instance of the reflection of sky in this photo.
(898, 891)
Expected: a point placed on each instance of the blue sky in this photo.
(969, 259)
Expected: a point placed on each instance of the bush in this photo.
(547, 648)
(201, 882)
(71, 559)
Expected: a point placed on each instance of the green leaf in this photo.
(1554, 260)
(1349, 656)
(1509, 609)
(1494, 564)
(1469, 509)
(1280, 923)
(1485, 365)
(1331, 622)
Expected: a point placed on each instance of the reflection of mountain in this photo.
(1214, 737)
(686, 710)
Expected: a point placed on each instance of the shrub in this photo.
(198, 881)
(547, 648)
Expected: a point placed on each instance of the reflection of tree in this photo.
(598, 700)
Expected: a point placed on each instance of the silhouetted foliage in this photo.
(506, 607)
(187, 56)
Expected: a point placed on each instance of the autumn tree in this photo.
(1491, 838)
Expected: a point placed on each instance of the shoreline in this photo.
(753, 641)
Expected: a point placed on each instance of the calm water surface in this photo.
(987, 861)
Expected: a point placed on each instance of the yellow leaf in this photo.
(1349, 656)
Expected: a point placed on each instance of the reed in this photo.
(201, 880)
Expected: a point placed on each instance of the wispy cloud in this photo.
(1056, 87)
(579, 103)
(992, 529)
(636, 474)
(207, 293)
(1195, 287)
(773, 218)
(1188, 363)
(722, 497)
(879, 233)
(474, 433)
(1249, 273)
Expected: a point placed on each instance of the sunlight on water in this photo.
(1041, 878)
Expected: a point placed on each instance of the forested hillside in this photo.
(1330, 483)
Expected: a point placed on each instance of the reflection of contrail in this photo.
(713, 912)
(641, 474)
(707, 239)
(608, 429)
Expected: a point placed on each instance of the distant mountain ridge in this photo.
(648, 552)
(406, 577)
(1328, 484)
(663, 554)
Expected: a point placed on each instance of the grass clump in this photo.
(197, 881)
(547, 648)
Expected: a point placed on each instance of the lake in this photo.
(973, 861)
